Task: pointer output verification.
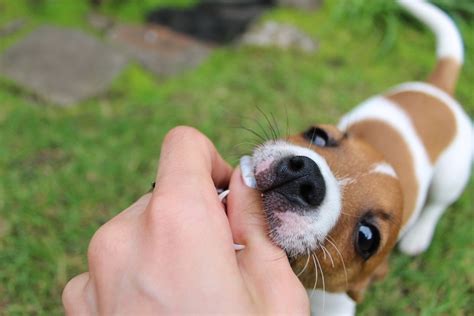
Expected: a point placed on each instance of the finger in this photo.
(75, 299)
(190, 164)
(184, 212)
(247, 219)
(263, 265)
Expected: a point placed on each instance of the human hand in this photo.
(171, 251)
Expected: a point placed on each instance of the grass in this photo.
(65, 171)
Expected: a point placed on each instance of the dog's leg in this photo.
(331, 304)
(418, 238)
(449, 179)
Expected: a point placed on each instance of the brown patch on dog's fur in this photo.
(391, 144)
(433, 120)
(445, 75)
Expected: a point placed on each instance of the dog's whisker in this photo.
(263, 137)
(261, 125)
(310, 142)
(266, 132)
(322, 279)
(305, 266)
(255, 133)
(268, 135)
(329, 254)
(347, 214)
(324, 253)
(245, 143)
(316, 275)
(252, 142)
(333, 243)
(272, 129)
(287, 123)
(276, 125)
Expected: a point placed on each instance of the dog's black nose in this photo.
(299, 179)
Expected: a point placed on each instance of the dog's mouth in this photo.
(300, 195)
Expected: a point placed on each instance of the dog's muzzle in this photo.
(300, 195)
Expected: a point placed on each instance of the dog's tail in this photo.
(449, 45)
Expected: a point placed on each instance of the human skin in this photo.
(171, 251)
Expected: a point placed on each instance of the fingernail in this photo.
(223, 195)
(246, 168)
(238, 247)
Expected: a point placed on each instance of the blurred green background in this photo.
(66, 171)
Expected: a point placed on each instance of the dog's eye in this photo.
(367, 240)
(316, 136)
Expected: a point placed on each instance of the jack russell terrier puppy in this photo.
(342, 196)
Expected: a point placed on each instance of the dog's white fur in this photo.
(384, 168)
(331, 304)
(448, 40)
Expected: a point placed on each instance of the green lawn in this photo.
(65, 171)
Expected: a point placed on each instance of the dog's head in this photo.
(332, 196)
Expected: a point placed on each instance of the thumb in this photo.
(264, 266)
(247, 218)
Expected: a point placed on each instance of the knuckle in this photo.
(158, 216)
(72, 293)
(103, 245)
(66, 295)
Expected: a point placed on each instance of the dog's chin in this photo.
(289, 227)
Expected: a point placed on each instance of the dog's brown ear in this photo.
(357, 290)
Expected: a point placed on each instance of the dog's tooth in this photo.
(246, 167)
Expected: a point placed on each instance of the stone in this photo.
(62, 66)
(279, 35)
(12, 27)
(99, 22)
(159, 49)
(301, 4)
(215, 21)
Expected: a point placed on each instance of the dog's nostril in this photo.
(310, 194)
(306, 188)
(296, 164)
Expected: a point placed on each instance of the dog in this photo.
(343, 196)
